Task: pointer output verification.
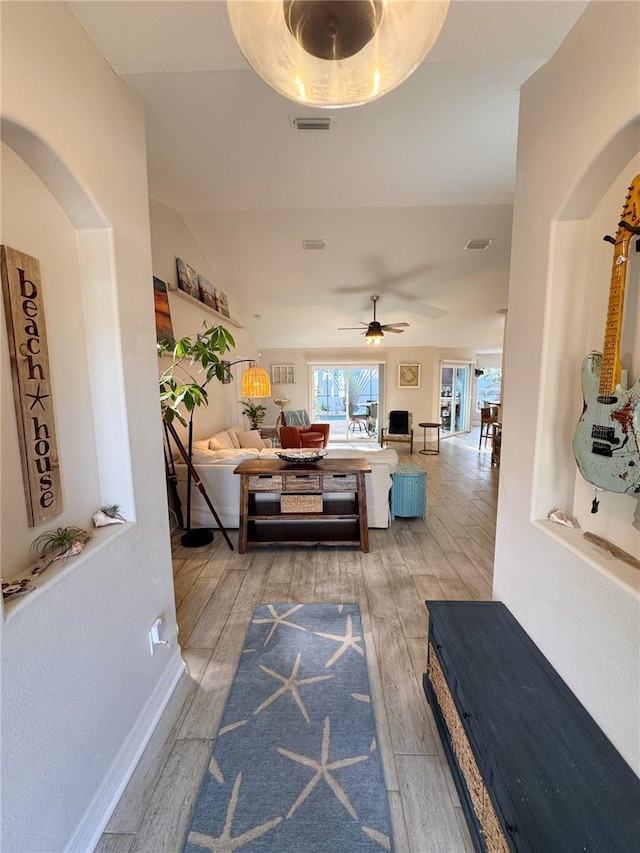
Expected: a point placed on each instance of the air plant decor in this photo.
(59, 544)
(109, 514)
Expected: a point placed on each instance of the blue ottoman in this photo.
(409, 491)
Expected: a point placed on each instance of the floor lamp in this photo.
(255, 383)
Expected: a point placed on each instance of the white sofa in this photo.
(215, 468)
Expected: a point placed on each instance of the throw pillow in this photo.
(251, 439)
(233, 435)
(220, 441)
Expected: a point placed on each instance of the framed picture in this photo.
(188, 279)
(409, 375)
(223, 305)
(207, 293)
(164, 329)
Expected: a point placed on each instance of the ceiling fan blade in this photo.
(392, 327)
(354, 328)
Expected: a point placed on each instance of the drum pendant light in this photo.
(335, 53)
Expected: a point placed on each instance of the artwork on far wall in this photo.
(207, 293)
(164, 329)
(409, 375)
(188, 279)
(223, 305)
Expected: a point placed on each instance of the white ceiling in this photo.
(396, 188)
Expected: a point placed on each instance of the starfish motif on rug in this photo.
(323, 769)
(279, 619)
(292, 683)
(224, 843)
(348, 641)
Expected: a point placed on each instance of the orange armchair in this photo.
(315, 435)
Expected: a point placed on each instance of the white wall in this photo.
(80, 690)
(171, 239)
(576, 141)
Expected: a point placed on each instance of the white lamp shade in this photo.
(406, 33)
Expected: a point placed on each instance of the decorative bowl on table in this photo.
(301, 456)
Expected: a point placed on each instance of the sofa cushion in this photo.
(250, 439)
(221, 441)
(233, 432)
(227, 456)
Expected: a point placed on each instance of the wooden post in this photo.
(32, 392)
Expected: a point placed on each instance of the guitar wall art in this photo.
(606, 442)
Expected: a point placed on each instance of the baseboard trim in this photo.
(96, 817)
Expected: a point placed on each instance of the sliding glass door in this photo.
(347, 397)
(455, 387)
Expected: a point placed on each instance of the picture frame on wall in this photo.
(188, 279)
(409, 375)
(164, 327)
(223, 304)
(207, 293)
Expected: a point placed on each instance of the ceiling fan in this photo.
(374, 331)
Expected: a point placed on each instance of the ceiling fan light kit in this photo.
(374, 331)
(335, 53)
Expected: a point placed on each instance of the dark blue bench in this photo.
(534, 772)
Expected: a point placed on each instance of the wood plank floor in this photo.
(448, 556)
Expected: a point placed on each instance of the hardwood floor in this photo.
(448, 556)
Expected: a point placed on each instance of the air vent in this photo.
(311, 122)
(314, 244)
(478, 244)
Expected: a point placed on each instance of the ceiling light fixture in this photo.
(256, 383)
(374, 335)
(335, 53)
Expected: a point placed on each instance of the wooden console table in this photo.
(324, 503)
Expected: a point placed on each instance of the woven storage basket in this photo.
(301, 503)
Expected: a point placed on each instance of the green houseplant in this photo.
(255, 412)
(179, 386)
(59, 544)
(182, 386)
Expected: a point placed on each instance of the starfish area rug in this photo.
(295, 766)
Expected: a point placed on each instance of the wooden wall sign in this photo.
(24, 311)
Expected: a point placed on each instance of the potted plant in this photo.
(255, 412)
(180, 387)
(178, 384)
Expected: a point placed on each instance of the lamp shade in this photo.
(256, 383)
(335, 53)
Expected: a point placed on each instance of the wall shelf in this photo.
(228, 321)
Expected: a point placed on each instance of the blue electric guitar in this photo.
(606, 443)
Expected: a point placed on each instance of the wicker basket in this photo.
(301, 503)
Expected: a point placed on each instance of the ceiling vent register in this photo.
(314, 244)
(478, 244)
(311, 122)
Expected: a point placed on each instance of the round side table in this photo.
(425, 426)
